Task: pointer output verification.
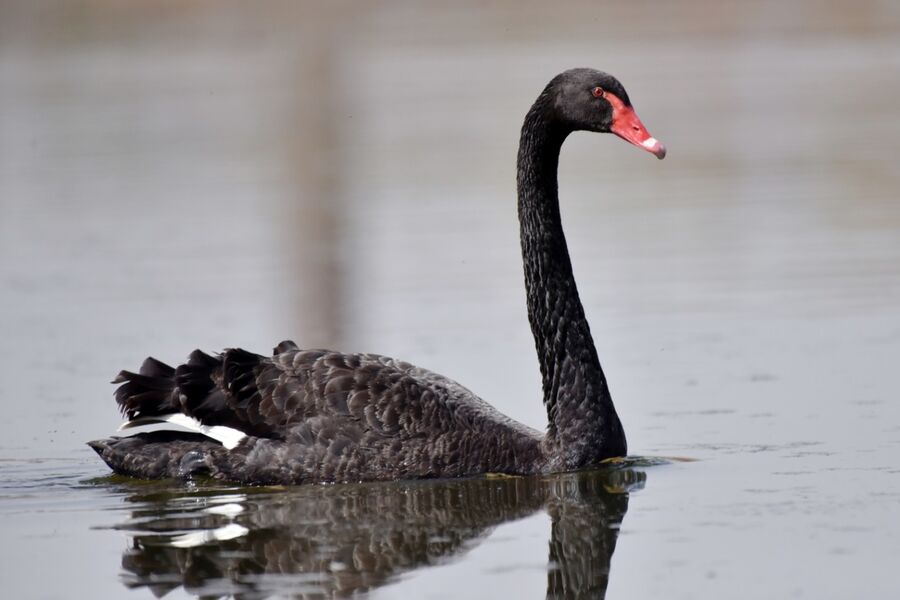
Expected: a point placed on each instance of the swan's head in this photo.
(591, 100)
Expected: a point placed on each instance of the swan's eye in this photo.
(598, 92)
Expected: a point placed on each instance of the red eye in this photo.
(598, 92)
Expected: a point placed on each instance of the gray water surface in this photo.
(182, 175)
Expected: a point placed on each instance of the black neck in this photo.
(582, 420)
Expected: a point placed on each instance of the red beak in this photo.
(627, 126)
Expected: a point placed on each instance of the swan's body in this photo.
(316, 415)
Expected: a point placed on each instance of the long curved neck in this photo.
(583, 425)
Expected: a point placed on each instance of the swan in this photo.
(306, 416)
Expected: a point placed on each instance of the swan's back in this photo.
(316, 415)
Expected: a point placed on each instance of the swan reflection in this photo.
(326, 541)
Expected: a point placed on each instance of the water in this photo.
(178, 176)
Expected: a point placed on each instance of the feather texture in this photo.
(317, 415)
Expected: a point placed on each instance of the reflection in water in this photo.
(323, 541)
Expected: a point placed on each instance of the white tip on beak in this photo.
(653, 145)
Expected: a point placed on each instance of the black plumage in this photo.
(319, 415)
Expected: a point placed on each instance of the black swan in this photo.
(323, 416)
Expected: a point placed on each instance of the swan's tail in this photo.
(153, 395)
(149, 392)
(186, 396)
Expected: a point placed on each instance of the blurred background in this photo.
(181, 174)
